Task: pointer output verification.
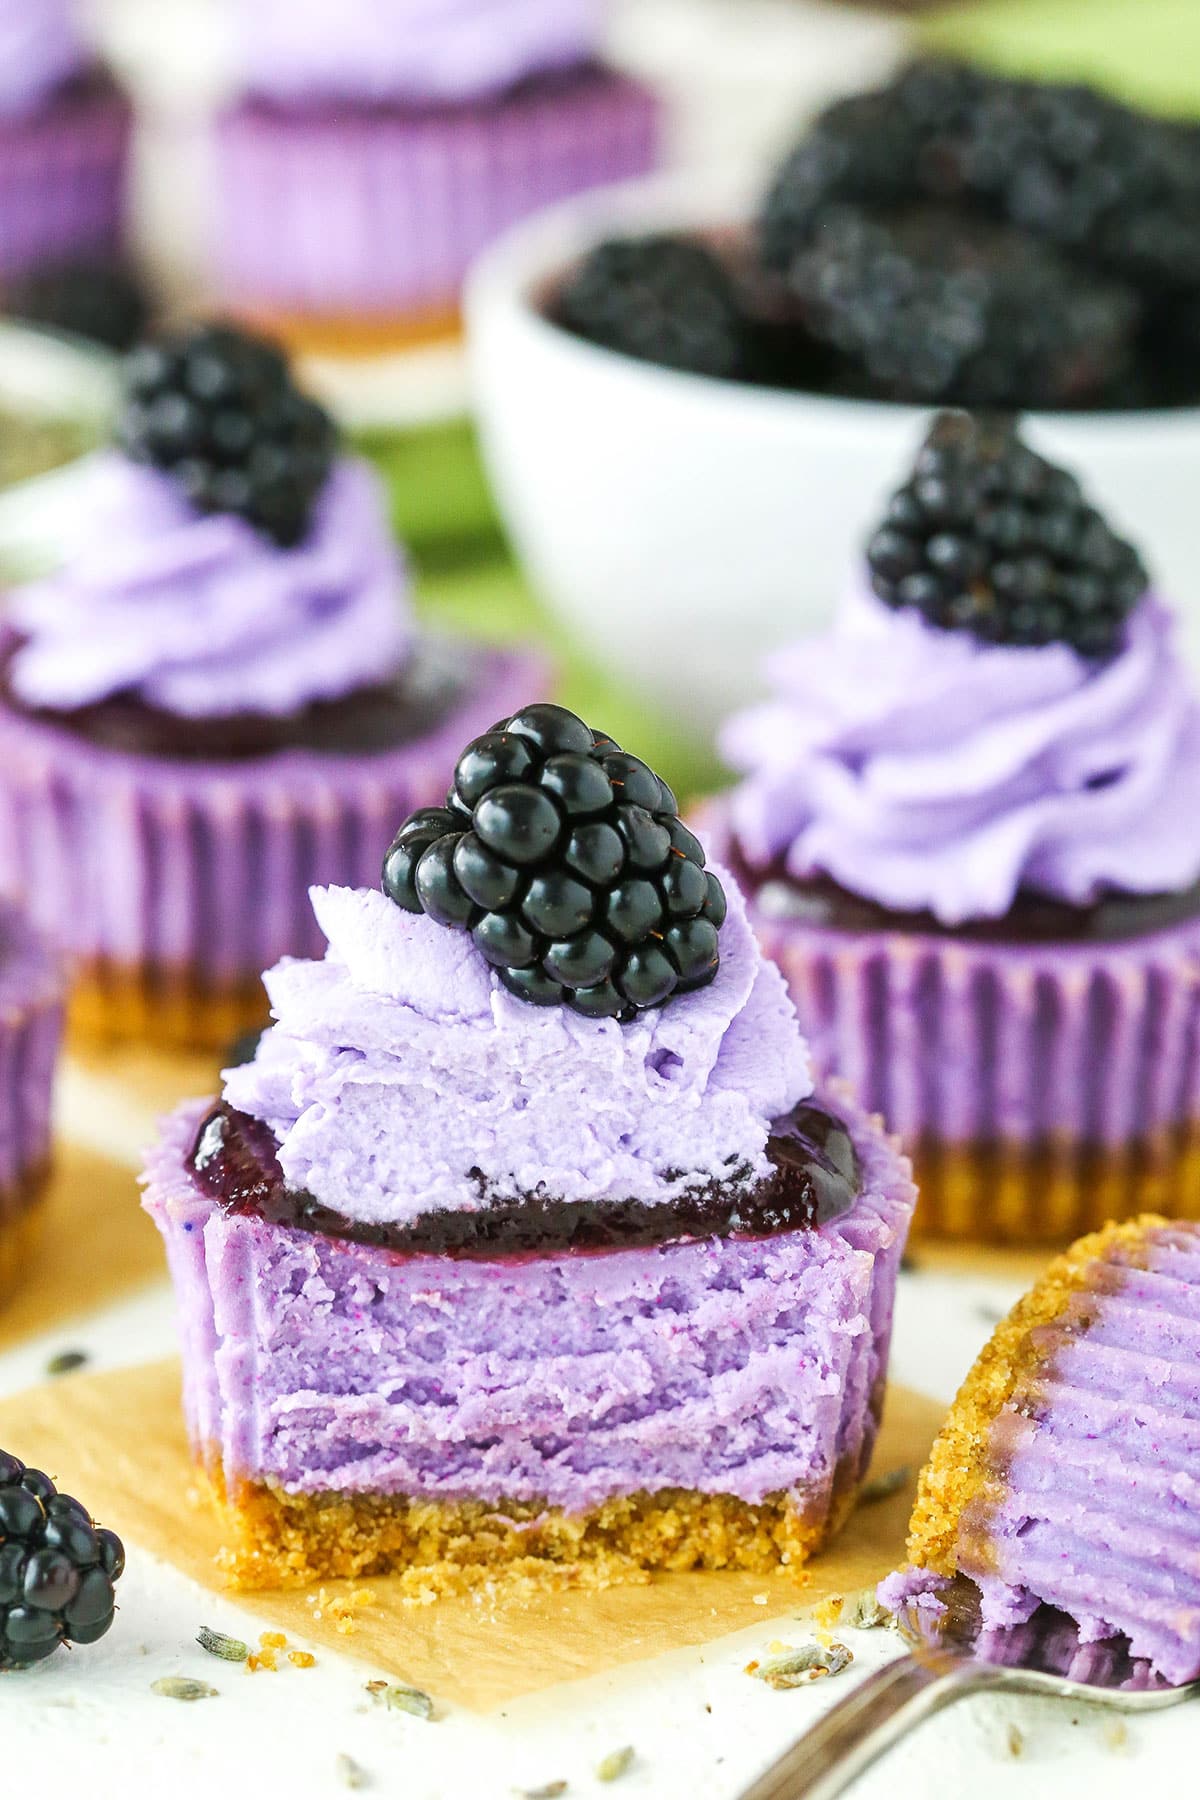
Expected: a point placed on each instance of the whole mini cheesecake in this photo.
(32, 993)
(379, 146)
(969, 822)
(524, 1242)
(1056, 1510)
(220, 697)
(64, 141)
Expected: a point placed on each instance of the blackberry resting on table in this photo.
(663, 299)
(933, 307)
(990, 538)
(566, 860)
(215, 408)
(57, 1569)
(102, 302)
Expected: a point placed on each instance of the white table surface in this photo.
(700, 1727)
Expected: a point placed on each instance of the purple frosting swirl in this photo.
(201, 615)
(40, 49)
(385, 50)
(401, 1078)
(931, 772)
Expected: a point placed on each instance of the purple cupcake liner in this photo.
(1040, 1087)
(63, 178)
(246, 1353)
(32, 992)
(144, 864)
(381, 211)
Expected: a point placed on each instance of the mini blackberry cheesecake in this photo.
(64, 142)
(32, 991)
(220, 698)
(970, 826)
(378, 147)
(524, 1243)
(1054, 1517)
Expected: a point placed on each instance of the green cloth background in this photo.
(1148, 51)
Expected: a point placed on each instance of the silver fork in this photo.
(892, 1702)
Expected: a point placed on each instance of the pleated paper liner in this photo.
(117, 1440)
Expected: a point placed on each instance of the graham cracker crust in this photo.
(440, 1548)
(1050, 1193)
(956, 1479)
(20, 1224)
(171, 1008)
(356, 337)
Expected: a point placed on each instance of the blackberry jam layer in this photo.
(1032, 919)
(372, 719)
(815, 1179)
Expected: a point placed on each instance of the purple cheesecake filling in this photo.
(1092, 1503)
(736, 1366)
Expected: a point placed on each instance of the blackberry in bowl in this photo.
(568, 863)
(966, 820)
(220, 696)
(729, 389)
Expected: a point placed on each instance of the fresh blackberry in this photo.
(216, 409)
(934, 308)
(57, 1568)
(861, 151)
(988, 537)
(879, 150)
(1116, 188)
(663, 299)
(102, 302)
(566, 860)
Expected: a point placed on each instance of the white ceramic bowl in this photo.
(680, 527)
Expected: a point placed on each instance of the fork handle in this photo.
(860, 1728)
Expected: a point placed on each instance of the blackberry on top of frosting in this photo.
(216, 409)
(987, 536)
(567, 861)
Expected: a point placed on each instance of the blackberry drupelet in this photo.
(216, 409)
(102, 302)
(931, 307)
(990, 538)
(567, 861)
(57, 1569)
(662, 299)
